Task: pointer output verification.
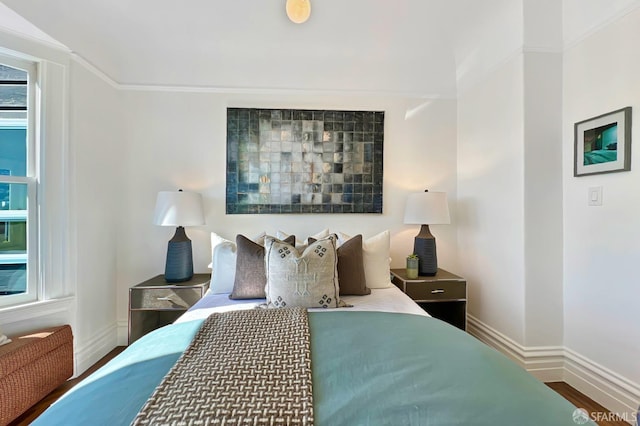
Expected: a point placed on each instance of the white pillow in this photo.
(259, 239)
(375, 254)
(322, 234)
(223, 264)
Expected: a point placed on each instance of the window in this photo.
(18, 179)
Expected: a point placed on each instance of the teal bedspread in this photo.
(369, 368)
(600, 156)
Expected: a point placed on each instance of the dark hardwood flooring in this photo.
(581, 400)
(572, 395)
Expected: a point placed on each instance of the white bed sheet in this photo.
(390, 299)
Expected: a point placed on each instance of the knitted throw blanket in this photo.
(250, 367)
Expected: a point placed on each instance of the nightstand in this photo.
(156, 303)
(443, 296)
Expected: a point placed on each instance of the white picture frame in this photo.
(602, 144)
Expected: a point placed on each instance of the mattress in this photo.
(390, 299)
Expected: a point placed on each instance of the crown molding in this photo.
(280, 91)
(95, 70)
(248, 90)
(599, 26)
(31, 48)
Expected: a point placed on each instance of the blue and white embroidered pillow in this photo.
(308, 279)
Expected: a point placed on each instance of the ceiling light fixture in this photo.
(298, 11)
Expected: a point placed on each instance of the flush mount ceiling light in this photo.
(298, 10)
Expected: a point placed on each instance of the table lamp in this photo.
(426, 208)
(180, 209)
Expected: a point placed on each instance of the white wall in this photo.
(509, 178)
(491, 38)
(601, 244)
(543, 198)
(178, 140)
(490, 198)
(97, 158)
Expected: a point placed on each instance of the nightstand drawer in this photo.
(439, 290)
(165, 298)
(443, 296)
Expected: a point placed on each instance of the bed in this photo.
(598, 156)
(382, 361)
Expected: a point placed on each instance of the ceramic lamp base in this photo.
(424, 246)
(179, 264)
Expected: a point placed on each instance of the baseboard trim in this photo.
(604, 386)
(558, 363)
(543, 362)
(94, 349)
(123, 333)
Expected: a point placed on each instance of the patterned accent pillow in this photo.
(324, 233)
(308, 279)
(250, 278)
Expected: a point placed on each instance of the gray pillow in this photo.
(250, 277)
(351, 278)
(308, 279)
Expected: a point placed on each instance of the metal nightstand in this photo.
(156, 303)
(443, 296)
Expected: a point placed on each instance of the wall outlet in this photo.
(595, 196)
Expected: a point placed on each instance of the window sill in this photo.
(29, 311)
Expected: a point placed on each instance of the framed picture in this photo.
(284, 161)
(602, 144)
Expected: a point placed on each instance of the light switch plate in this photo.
(595, 196)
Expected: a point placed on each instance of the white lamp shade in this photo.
(427, 208)
(178, 208)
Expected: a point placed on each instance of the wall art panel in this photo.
(304, 161)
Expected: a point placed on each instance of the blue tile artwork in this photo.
(283, 161)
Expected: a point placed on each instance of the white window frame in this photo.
(33, 288)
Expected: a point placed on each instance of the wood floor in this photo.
(576, 398)
(582, 401)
